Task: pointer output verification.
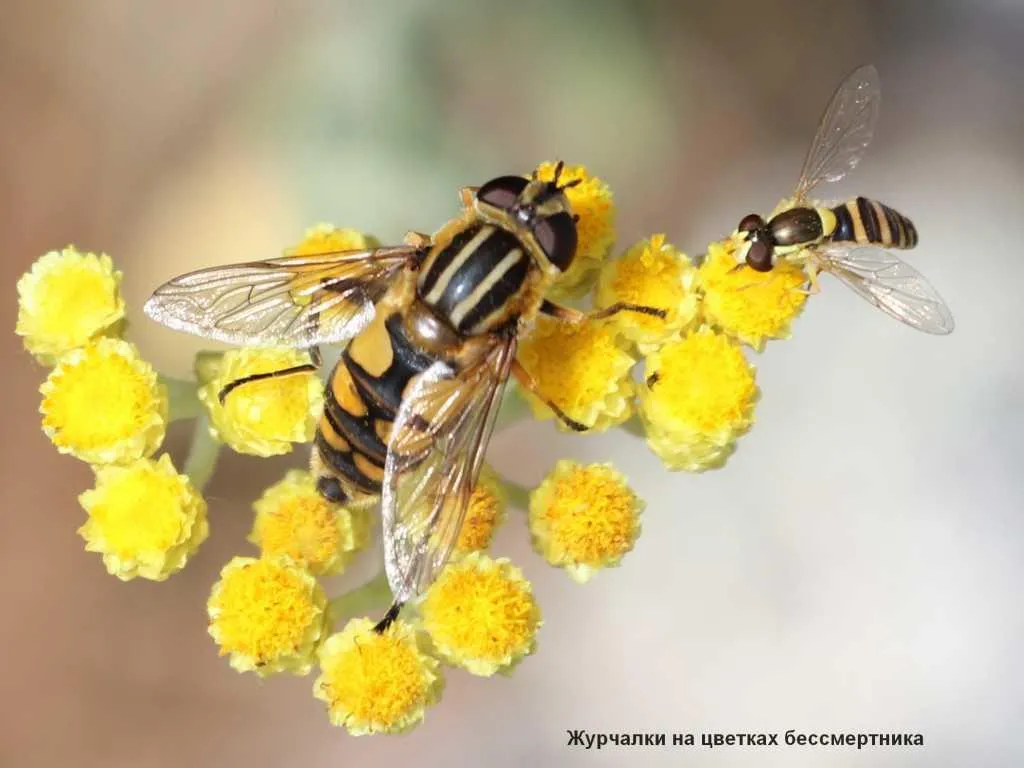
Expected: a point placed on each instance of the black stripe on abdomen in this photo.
(869, 220)
(844, 224)
(342, 463)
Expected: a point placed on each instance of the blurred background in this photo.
(857, 565)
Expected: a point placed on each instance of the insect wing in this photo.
(844, 132)
(435, 454)
(890, 284)
(297, 301)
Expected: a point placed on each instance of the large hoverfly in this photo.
(846, 240)
(430, 329)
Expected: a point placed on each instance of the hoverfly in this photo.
(844, 240)
(430, 329)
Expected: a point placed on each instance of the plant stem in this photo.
(369, 596)
(202, 453)
(182, 397)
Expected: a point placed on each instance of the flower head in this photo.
(584, 369)
(485, 514)
(584, 517)
(262, 417)
(104, 404)
(326, 238)
(698, 398)
(591, 200)
(268, 615)
(481, 615)
(67, 299)
(748, 305)
(654, 274)
(294, 519)
(377, 683)
(145, 519)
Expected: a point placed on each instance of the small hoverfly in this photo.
(844, 240)
(430, 330)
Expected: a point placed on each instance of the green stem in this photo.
(202, 453)
(369, 596)
(183, 398)
(518, 495)
(514, 408)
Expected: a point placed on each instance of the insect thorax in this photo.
(478, 278)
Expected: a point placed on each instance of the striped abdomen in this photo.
(474, 283)
(870, 222)
(360, 403)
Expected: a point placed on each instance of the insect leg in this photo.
(467, 195)
(575, 316)
(528, 382)
(389, 618)
(417, 240)
(233, 385)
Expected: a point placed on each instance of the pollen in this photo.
(481, 615)
(750, 306)
(485, 514)
(377, 683)
(268, 615)
(584, 518)
(264, 417)
(67, 299)
(653, 274)
(294, 519)
(583, 368)
(591, 201)
(145, 519)
(698, 397)
(326, 238)
(104, 404)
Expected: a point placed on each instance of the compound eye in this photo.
(556, 234)
(759, 256)
(751, 223)
(503, 191)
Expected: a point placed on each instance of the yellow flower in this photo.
(583, 518)
(749, 305)
(294, 519)
(326, 238)
(104, 404)
(698, 397)
(584, 369)
(67, 299)
(145, 519)
(591, 200)
(268, 615)
(262, 417)
(654, 274)
(377, 683)
(486, 512)
(481, 615)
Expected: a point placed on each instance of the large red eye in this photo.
(557, 236)
(503, 191)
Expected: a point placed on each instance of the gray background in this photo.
(856, 567)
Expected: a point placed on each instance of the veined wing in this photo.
(297, 301)
(434, 458)
(890, 284)
(844, 132)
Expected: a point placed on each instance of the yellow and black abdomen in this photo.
(869, 222)
(360, 402)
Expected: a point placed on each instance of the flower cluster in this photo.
(664, 353)
(103, 404)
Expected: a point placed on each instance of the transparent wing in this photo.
(434, 458)
(294, 301)
(844, 132)
(890, 284)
